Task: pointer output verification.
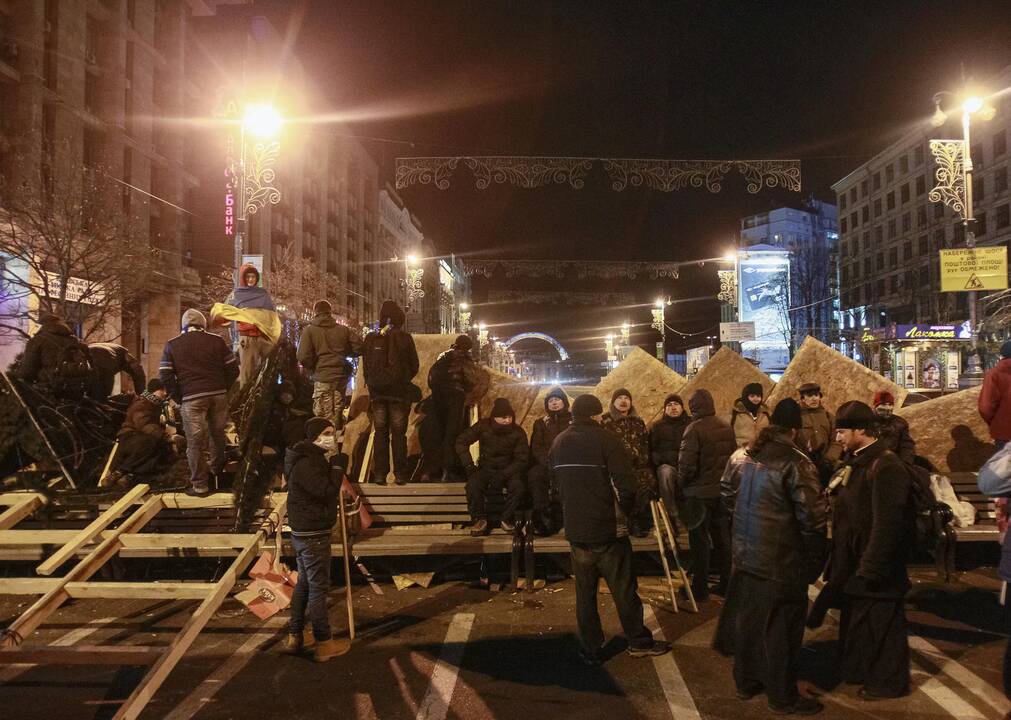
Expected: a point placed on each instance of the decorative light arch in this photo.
(538, 336)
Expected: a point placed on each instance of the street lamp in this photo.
(415, 279)
(464, 317)
(954, 183)
(624, 334)
(660, 326)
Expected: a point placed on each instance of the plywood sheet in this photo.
(648, 379)
(724, 376)
(949, 431)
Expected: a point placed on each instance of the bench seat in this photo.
(985, 529)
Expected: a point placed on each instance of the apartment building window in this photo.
(918, 154)
(921, 185)
(907, 250)
(891, 230)
(877, 208)
(981, 223)
(876, 181)
(863, 188)
(880, 287)
(50, 48)
(889, 174)
(1003, 218)
(842, 225)
(1000, 143)
(856, 270)
(977, 155)
(907, 222)
(958, 236)
(867, 240)
(904, 164)
(890, 200)
(893, 257)
(924, 277)
(939, 238)
(978, 188)
(854, 221)
(893, 283)
(881, 261)
(923, 245)
(921, 216)
(845, 273)
(127, 177)
(904, 193)
(853, 194)
(865, 214)
(879, 235)
(1000, 180)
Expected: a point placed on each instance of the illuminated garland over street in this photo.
(582, 269)
(561, 297)
(662, 175)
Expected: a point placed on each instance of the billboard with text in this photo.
(764, 299)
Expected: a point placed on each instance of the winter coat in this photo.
(665, 439)
(312, 493)
(895, 436)
(631, 430)
(780, 514)
(595, 482)
(144, 416)
(995, 400)
(197, 364)
(45, 350)
(398, 347)
(547, 428)
(746, 425)
(324, 347)
(817, 436)
(707, 444)
(872, 515)
(453, 371)
(502, 449)
(110, 359)
(249, 297)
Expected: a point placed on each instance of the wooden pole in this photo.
(663, 554)
(685, 583)
(108, 464)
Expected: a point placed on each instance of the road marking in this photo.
(679, 699)
(11, 672)
(205, 691)
(435, 705)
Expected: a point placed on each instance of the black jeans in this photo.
(539, 487)
(613, 562)
(389, 418)
(312, 554)
(449, 406)
(715, 529)
(484, 481)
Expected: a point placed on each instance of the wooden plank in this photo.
(140, 590)
(84, 655)
(179, 541)
(183, 501)
(89, 533)
(37, 538)
(16, 513)
(384, 500)
(385, 507)
(26, 586)
(458, 488)
(16, 498)
(440, 517)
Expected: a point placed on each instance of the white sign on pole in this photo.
(737, 331)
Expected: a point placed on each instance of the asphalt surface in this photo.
(462, 652)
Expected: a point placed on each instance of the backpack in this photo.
(382, 370)
(930, 517)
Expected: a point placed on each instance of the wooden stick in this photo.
(347, 564)
(662, 511)
(663, 554)
(363, 473)
(29, 503)
(108, 464)
(38, 429)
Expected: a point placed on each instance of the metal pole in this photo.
(240, 225)
(969, 221)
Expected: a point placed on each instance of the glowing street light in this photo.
(412, 259)
(415, 279)
(262, 121)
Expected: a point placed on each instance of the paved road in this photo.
(457, 652)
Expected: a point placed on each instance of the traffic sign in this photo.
(981, 268)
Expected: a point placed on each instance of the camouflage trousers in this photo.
(329, 401)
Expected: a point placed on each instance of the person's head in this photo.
(587, 407)
(463, 343)
(556, 400)
(157, 388)
(621, 401)
(322, 433)
(884, 403)
(753, 394)
(251, 278)
(502, 412)
(390, 314)
(322, 307)
(810, 395)
(555, 403)
(786, 416)
(1005, 349)
(193, 318)
(701, 404)
(673, 407)
(856, 425)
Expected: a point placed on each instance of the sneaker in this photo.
(479, 528)
(657, 647)
(400, 481)
(801, 706)
(508, 525)
(329, 649)
(193, 492)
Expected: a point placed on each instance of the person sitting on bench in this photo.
(502, 459)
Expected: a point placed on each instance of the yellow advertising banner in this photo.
(981, 268)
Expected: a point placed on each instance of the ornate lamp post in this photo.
(482, 336)
(660, 326)
(954, 184)
(414, 279)
(464, 310)
(609, 349)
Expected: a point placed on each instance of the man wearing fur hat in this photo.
(817, 436)
(502, 459)
(539, 479)
(198, 368)
(664, 446)
(894, 430)
(622, 420)
(324, 349)
(872, 514)
(780, 518)
(749, 414)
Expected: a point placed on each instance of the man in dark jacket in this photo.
(198, 368)
(56, 358)
(994, 401)
(622, 420)
(539, 479)
(780, 518)
(452, 376)
(313, 493)
(324, 349)
(817, 437)
(502, 460)
(871, 521)
(707, 445)
(390, 364)
(595, 481)
(107, 361)
(893, 429)
(664, 446)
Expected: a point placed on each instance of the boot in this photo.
(480, 527)
(295, 644)
(329, 649)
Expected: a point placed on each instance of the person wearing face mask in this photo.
(539, 479)
(893, 430)
(664, 446)
(313, 494)
(749, 414)
(622, 420)
(503, 456)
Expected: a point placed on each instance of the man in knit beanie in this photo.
(622, 420)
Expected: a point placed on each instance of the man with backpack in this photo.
(56, 358)
(390, 363)
(107, 361)
(323, 350)
(452, 376)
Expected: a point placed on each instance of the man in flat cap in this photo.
(817, 434)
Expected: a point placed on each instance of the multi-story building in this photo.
(891, 234)
(810, 232)
(401, 245)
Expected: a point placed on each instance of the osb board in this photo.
(648, 379)
(724, 376)
(537, 406)
(841, 378)
(519, 394)
(949, 431)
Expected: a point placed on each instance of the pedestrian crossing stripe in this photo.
(973, 283)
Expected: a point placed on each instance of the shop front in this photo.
(922, 358)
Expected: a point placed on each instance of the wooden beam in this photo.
(16, 498)
(182, 501)
(185, 540)
(26, 586)
(16, 513)
(140, 590)
(36, 537)
(89, 533)
(84, 655)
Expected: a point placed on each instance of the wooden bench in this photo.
(985, 529)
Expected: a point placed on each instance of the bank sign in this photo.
(933, 332)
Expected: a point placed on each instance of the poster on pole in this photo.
(979, 268)
(737, 331)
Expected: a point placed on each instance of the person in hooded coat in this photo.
(706, 447)
(540, 478)
(749, 414)
(664, 447)
(253, 346)
(390, 363)
(323, 349)
(56, 358)
(144, 451)
(451, 378)
(622, 420)
(994, 402)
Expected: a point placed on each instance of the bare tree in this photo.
(296, 283)
(64, 250)
(811, 263)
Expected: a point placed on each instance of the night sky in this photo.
(829, 83)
